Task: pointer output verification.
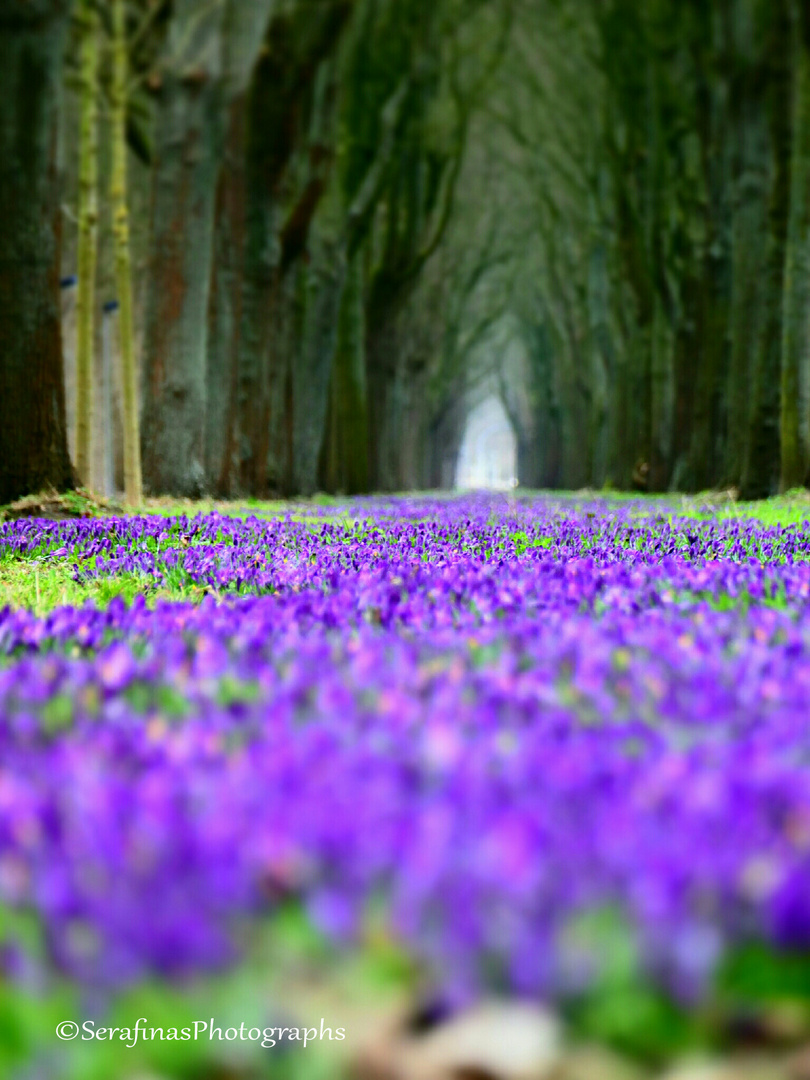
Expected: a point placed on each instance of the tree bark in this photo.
(794, 418)
(749, 243)
(225, 314)
(311, 373)
(133, 489)
(33, 439)
(713, 127)
(88, 235)
(210, 55)
(345, 452)
(761, 468)
(179, 276)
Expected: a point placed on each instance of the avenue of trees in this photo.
(332, 227)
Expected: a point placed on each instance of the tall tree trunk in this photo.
(713, 123)
(261, 362)
(243, 31)
(133, 492)
(88, 234)
(345, 452)
(604, 367)
(33, 439)
(383, 419)
(794, 419)
(662, 400)
(225, 313)
(445, 437)
(761, 468)
(186, 166)
(414, 453)
(286, 113)
(325, 279)
(210, 55)
(748, 250)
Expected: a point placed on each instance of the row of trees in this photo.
(303, 158)
(367, 214)
(663, 306)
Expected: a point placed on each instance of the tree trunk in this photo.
(185, 181)
(383, 421)
(33, 439)
(662, 400)
(311, 374)
(211, 52)
(761, 468)
(88, 235)
(345, 454)
(748, 252)
(714, 304)
(225, 314)
(794, 420)
(445, 436)
(133, 492)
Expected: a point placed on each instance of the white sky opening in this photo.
(488, 455)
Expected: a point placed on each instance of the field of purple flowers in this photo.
(540, 749)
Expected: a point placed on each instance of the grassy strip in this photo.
(43, 587)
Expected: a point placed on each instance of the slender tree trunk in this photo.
(123, 262)
(88, 235)
(794, 419)
(33, 440)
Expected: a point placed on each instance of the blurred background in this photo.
(377, 245)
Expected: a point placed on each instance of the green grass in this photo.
(43, 587)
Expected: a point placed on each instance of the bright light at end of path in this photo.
(488, 455)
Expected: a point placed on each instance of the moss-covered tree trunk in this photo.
(133, 491)
(794, 418)
(33, 439)
(89, 32)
